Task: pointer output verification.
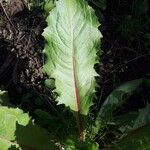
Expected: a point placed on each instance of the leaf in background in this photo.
(129, 28)
(72, 43)
(33, 137)
(67, 124)
(50, 83)
(125, 122)
(49, 5)
(3, 98)
(143, 118)
(118, 97)
(138, 136)
(146, 83)
(76, 145)
(13, 147)
(130, 121)
(17, 131)
(99, 3)
(140, 7)
(136, 140)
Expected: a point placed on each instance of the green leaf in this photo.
(73, 40)
(135, 129)
(49, 5)
(99, 3)
(13, 147)
(138, 136)
(143, 118)
(125, 122)
(140, 7)
(67, 124)
(50, 83)
(137, 139)
(76, 145)
(3, 98)
(118, 97)
(130, 121)
(18, 131)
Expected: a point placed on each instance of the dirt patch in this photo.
(21, 36)
(21, 44)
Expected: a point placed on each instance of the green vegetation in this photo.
(80, 118)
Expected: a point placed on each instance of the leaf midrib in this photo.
(77, 98)
(76, 90)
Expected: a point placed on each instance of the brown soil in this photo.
(21, 47)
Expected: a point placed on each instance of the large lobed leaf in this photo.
(72, 42)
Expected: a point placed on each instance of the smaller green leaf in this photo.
(72, 144)
(118, 97)
(3, 98)
(18, 131)
(67, 124)
(136, 140)
(33, 136)
(140, 7)
(143, 118)
(50, 83)
(125, 122)
(13, 147)
(146, 83)
(98, 124)
(49, 5)
(99, 3)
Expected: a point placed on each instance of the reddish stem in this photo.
(79, 121)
